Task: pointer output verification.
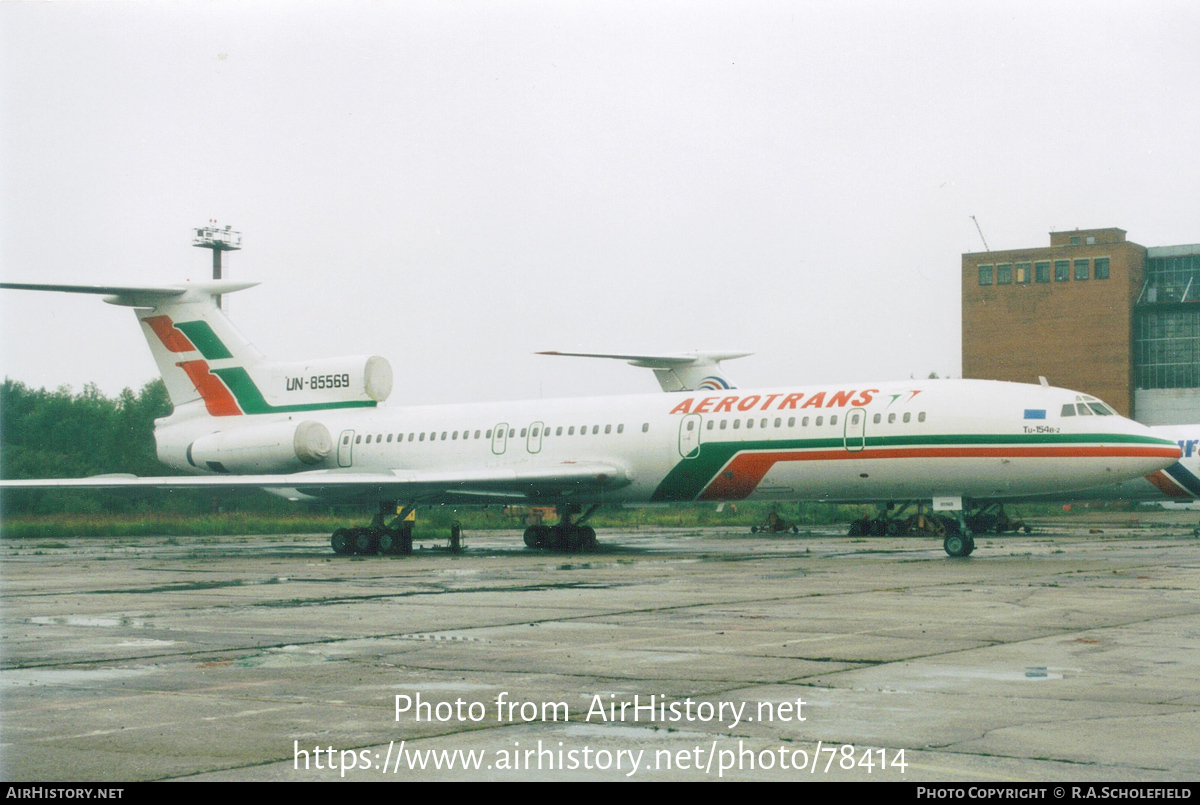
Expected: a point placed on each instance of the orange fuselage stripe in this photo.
(742, 475)
(1168, 487)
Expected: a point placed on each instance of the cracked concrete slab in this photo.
(1060, 655)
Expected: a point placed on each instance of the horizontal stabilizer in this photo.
(139, 295)
(680, 371)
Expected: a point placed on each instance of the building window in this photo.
(1074, 240)
(1041, 271)
(1081, 269)
(1172, 279)
(1004, 274)
(1101, 272)
(985, 275)
(1062, 270)
(1167, 349)
(1023, 273)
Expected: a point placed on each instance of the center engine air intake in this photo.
(357, 379)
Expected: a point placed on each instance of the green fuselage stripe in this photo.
(690, 476)
(251, 400)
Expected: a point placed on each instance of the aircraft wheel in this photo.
(970, 546)
(539, 536)
(363, 540)
(406, 539)
(587, 538)
(341, 542)
(455, 537)
(956, 545)
(389, 542)
(560, 539)
(574, 540)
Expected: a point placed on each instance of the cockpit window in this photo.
(1101, 408)
(1068, 409)
(1089, 406)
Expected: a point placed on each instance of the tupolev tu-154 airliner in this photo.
(316, 430)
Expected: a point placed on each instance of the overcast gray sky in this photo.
(454, 185)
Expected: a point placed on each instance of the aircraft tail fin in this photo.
(210, 368)
(683, 371)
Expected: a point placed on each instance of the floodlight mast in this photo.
(219, 239)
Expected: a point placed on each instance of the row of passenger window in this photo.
(1023, 273)
(765, 422)
(536, 432)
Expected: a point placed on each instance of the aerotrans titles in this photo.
(775, 402)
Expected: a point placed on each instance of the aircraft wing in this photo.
(549, 481)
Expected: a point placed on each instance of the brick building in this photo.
(1092, 312)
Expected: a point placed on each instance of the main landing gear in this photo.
(565, 536)
(386, 538)
(957, 531)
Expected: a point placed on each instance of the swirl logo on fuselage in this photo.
(713, 383)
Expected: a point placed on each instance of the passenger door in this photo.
(534, 443)
(500, 438)
(689, 436)
(346, 449)
(854, 437)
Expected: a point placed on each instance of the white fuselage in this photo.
(852, 442)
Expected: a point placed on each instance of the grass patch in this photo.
(432, 521)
